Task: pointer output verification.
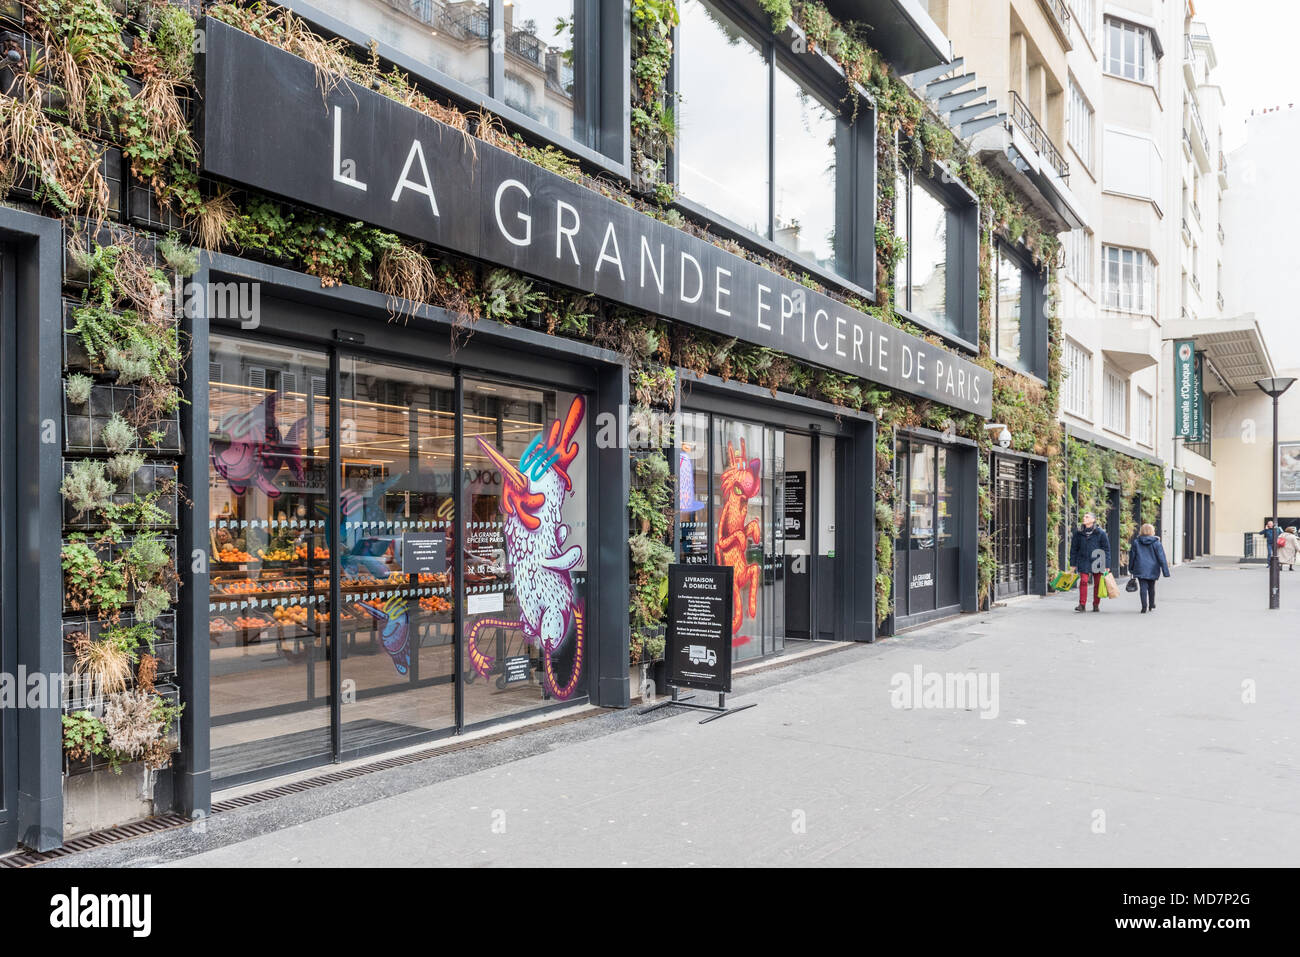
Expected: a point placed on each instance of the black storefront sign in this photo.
(267, 124)
(795, 504)
(516, 670)
(424, 553)
(699, 627)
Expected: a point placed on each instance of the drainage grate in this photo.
(167, 822)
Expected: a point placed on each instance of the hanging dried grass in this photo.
(105, 663)
(65, 165)
(213, 219)
(406, 276)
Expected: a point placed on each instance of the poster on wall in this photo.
(699, 627)
(1288, 471)
(796, 504)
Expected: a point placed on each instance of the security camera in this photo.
(1004, 438)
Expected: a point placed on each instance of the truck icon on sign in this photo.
(698, 654)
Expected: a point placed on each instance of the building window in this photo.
(1145, 418)
(1114, 405)
(1129, 279)
(1019, 318)
(766, 152)
(1007, 329)
(1076, 390)
(936, 281)
(1085, 15)
(1081, 124)
(1129, 51)
(1078, 258)
(541, 64)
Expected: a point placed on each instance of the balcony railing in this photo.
(527, 46)
(1200, 127)
(1060, 13)
(1024, 118)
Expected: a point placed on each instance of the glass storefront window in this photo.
(722, 77)
(738, 526)
(804, 144)
(525, 552)
(693, 492)
(516, 516)
(269, 628)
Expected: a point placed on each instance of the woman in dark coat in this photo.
(1090, 557)
(1146, 562)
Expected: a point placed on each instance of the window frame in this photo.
(1145, 284)
(1108, 375)
(607, 77)
(1144, 38)
(1073, 384)
(1076, 97)
(963, 205)
(855, 187)
(1033, 311)
(1072, 250)
(1145, 431)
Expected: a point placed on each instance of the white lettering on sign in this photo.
(339, 175)
(562, 232)
(527, 238)
(404, 181)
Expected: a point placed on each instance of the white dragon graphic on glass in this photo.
(532, 501)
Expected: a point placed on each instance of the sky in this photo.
(1256, 45)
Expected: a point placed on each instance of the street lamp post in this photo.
(1273, 388)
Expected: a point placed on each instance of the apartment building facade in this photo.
(1125, 94)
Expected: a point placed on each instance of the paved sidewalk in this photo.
(1120, 739)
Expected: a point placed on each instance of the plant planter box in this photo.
(172, 695)
(12, 12)
(75, 356)
(111, 552)
(164, 651)
(144, 209)
(74, 275)
(141, 483)
(83, 425)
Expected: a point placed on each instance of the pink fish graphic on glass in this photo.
(257, 451)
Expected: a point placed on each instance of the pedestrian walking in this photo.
(1270, 537)
(1146, 563)
(1090, 557)
(1288, 548)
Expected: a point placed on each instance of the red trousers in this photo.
(1083, 588)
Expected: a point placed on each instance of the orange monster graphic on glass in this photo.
(739, 483)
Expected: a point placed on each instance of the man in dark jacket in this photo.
(1146, 562)
(1270, 537)
(1090, 557)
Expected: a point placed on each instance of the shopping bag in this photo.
(1064, 581)
(1102, 591)
(1112, 586)
(1132, 585)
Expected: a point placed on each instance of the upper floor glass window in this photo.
(933, 284)
(1078, 258)
(1115, 403)
(762, 149)
(1081, 120)
(1129, 279)
(1019, 312)
(532, 62)
(1076, 385)
(1129, 51)
(1145, 418)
